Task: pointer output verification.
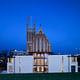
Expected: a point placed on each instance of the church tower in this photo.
(30, 36)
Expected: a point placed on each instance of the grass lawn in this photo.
(41, 76)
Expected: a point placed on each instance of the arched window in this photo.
(38, 43)
(45, 45)
(41, 44)
(34, 45)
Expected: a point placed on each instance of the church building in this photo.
(37, 42)
(39, 46)
(39, 57)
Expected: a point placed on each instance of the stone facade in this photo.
(37, 42)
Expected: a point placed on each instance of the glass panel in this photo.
(38, 43)
(62, 68)
(42, 69)
(10, 68)
(19, 68)
(42, 55)
(38, 68)
(73, 59)
(19, 59)
(10, 60)
(34, 45)
(42, 44)
(62, 59)
(72, 68)
(45, 45)
(40, 62)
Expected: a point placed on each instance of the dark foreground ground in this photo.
(41, 76)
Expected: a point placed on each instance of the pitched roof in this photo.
(40, 30)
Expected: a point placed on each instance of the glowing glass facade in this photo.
(40, 62)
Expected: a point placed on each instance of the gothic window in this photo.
(34, 45)
(45, 45)
(38, 43)
(41, 44)
(32, 36)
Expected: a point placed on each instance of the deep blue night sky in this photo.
(60, 21)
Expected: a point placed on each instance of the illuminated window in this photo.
(38, 61)
(45, 45)
(42, 44)
(38, 43)
(10, 68)
(46, 68)
(35, 54)
(42, 62)
(62, 68)
(34, 68)
(38, 68)
(42, 55)
(46, 61)
(19, 59)
(38, 55)
(35, 61)
(34, 45)
(10, 60)
(46, 55)
(62, 59)
(19, 68)
(42, 69)
(73, 59)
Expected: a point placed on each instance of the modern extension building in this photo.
(39, 63)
